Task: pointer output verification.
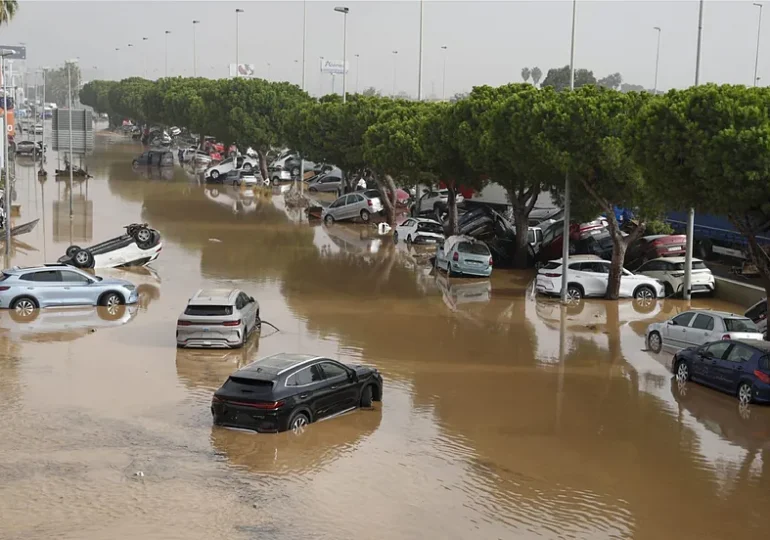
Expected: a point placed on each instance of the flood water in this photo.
(500, 418)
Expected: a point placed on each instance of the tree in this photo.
(96, 94)
(613, 81)
(500, 135)
(525, 73)
(585, 131)
(625, 87)
(708, 148)
(57, 84)
(371, 92)
(559, 78)
(537, 74)
(8, 9)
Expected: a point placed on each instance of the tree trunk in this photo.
(620, 244)
(452, 209)
(758, 256)
(387, 187)
(262, 163)
(520, 217)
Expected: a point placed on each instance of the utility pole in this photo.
(7, 189)
(759, 31)
(565, 232)
(167, 33)
(195, 54)
(657, 61)
(419, 63)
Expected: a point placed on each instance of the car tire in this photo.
(575, 292)
(644, 292)
(682, 371)
(72, 250)
(329, 219)
(365, 216)
(298, 422)
(144, 237)
(366, 397)
(295, 171)
(247, 167)
(395, 237)
(24, 309)
(654, 342)
(312, 190)
(214, 174)
(668, 289)
(111, 299)
(409, 239)
(83, 259)
(745, 393)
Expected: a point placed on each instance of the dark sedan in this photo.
(290, 391)
(738, 367)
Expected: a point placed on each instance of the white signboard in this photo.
(332, 66)
(242, 70)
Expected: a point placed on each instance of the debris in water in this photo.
(216, 240)
(140, 474)
(383, 229)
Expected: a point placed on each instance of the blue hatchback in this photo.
(464, 255)
(739, 367)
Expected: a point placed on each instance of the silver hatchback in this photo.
(361, 204)
(217, 319)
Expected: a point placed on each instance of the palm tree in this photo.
(7, 10)
(525, 74)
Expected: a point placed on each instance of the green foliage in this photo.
(558, 78)
(8, 9)
(525, 73)
(57, 84)
(613, 81)
(537, 74)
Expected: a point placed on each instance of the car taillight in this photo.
(264, 405)
(232, 323)
(215, 399)
(369, 202)
(726, 336)
(762, 376)
(552, 275)
(490, 261)
(456, 256)
(183, 323)
(4, 288)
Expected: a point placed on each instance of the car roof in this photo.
(25, 269)
(425, 220)
(758, 344)
(674, 259)
(578, 258)
(213, 296)
(723, 314)
(272, 366)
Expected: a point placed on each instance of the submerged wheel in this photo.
(24, 309)
(365, 216)
(111, 300)
(574, 293)
(299, 422)
(682, 371)
(744, 393)
(214, 174)
(366, 396)
(329, 219)
(83, 259)
(654, 342)
(644, 293)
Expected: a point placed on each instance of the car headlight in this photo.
(130, 287)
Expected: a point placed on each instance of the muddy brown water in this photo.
(500, 419)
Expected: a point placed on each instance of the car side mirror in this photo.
(251, 299)
(707, 354)
(353, 376)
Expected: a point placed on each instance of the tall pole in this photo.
(321, 76)
(42, 137)
(238, 11)
(657, 62)
(395, 55)
(6, 159)
(195, 52)
(565, 232)
(166, 37)
(443, 75)
(419, 63)
(345, 56)
(71, 164)
(304, 37)
(145, 56)
(686, 293)
(358, 70)
(759, 30)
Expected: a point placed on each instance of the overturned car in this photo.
(139, 246)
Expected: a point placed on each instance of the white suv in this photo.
(223, 167)
(589, 276)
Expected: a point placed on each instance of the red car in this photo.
(654, 246)
(590, 238)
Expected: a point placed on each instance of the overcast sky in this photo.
(488, 42)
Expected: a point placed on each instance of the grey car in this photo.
(218, 319)
(329, 182)
(26, 289)
(353, 205)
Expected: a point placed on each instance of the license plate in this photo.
(205, 329)
(674, 248)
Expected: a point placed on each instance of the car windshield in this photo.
(474, 248)
(372, 194)
(551, 266)
(208, 311)
(4, 276)
(696, 265)
(430, 228)
(530, 236)
(740, 325)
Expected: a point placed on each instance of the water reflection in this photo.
(63, 324)
(79, 228)
(209, 368)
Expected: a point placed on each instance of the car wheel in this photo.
(365, 216)
(247, 167)
(574, 292)
(298, 422)
(395, 237)
(644, 293)
(449, 271)
(744, 393)
(313, 190)
(329, 219)
(682, 371)
(24, 309)
(214, 193)
(366, 396)
(143, 237)
(72, 250)
(135, 164)
(214, 174)
(295, 171)
(668, 289)
(654, 342)
(110, 300)
(83, 259)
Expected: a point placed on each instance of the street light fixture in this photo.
(145, 56)
(166, 38)
(443, 77)
(657, 61)
(344, 11)
(238, 11)
(759, 30)
(195, 54)
(395, 54)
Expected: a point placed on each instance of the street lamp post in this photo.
(344, 11)
(419, 63)
(145, 56)
(7, 185)
(42, 137)
(238, 11)
(443, 76)
(358, 69)
(166, 37)
(395, 55)
(657, 62)
(195, 53)
(759, 30)
(565, 232)
(71, 163)
(130, 45)
(321, 76)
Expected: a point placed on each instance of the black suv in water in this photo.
(289, 391)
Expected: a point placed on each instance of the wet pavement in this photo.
(503, 416)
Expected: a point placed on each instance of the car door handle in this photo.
(303, 396)
(334, 386)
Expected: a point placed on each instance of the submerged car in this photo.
(695, 327)
(26, 289)
(139, 246)
(419, 231)
(218, 318)
(29, 148)
(738, 367)
(463, 255)
(154, 158)
(351, 206)
(289, 391)
(223, 167)
(238, 177)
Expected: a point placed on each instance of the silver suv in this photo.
(433, 201)
(218, 318)
(26, 289)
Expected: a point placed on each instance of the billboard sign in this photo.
(333, 66)
(241, 70)
(82, 131)
(18, 52)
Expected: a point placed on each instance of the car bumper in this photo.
(546, 286)
(761, 392)
(227, 414)
(469, 270)
(199, 339)
(427, 239)
(133, 297)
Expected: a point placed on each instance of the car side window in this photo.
(718, 349)
(683, 319)
(339, 202)
(576, 266)
(302, 377)
(45, 276)
(333, 371)
(703, 322)
(351, 199)
(740, 353)
(407, 223)
(74, 277)
(652, 266)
